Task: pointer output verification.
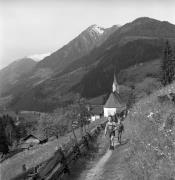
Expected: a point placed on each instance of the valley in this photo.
(57, 101)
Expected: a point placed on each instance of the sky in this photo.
(29, 27)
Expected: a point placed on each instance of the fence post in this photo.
(86, 141)
(76, 151)
(63, 161)
(98, 128)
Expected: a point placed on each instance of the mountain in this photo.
(89, 71)
(140, 29)
(41, 76)
(139, 41)
(10, 74)
(89, 39)
(80, 46)
(39, 57)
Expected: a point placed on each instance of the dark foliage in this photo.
(168, 65)
(131, 99)
(98, 80)
(8, 133)
(3, 139)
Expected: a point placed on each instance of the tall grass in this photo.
(151, 126)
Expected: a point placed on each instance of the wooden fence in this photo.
(59, 164)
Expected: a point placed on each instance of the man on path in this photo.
(110, 128)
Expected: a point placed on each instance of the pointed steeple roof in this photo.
(115, 79)
(115, 86)
(114, 101)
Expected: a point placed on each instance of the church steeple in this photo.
(115, 86)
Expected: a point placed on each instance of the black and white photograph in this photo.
(87, 89)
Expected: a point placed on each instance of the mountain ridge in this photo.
(11, 73)
(91, 74)
(76, 48)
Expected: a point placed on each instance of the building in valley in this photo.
(114, 103)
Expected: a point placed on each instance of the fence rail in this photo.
(59, 164)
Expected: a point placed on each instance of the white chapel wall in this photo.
(109, 111)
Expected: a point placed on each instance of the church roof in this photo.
(114, 101)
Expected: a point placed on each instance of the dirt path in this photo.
(97, 154)
(112, 165)
(96, 171)
(115, 167)
(106, 166)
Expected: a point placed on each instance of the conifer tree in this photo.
(168, 65)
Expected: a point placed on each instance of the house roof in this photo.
(30, 136)
(96, 110)
(35, 136)
(114, 101)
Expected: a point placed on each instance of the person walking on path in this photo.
(120, 130)
(110, 128)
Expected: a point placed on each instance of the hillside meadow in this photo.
(12, 167)
(151, 128)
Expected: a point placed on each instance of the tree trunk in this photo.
(76, 141)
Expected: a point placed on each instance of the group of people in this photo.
(114, 124)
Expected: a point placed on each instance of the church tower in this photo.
(114, 103)
(115, 86)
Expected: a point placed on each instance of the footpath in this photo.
(107, 164)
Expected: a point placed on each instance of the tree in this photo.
(3, 139)
(83, 113)
(10, 129)
(48, 125)
(8, 133)
(26, 126)
(132, 97)
(78, 113)
(168, 65)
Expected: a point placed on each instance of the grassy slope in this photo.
(150, 153)
(147, 151)
(152, 141)
(12, 167)
(137, 73)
